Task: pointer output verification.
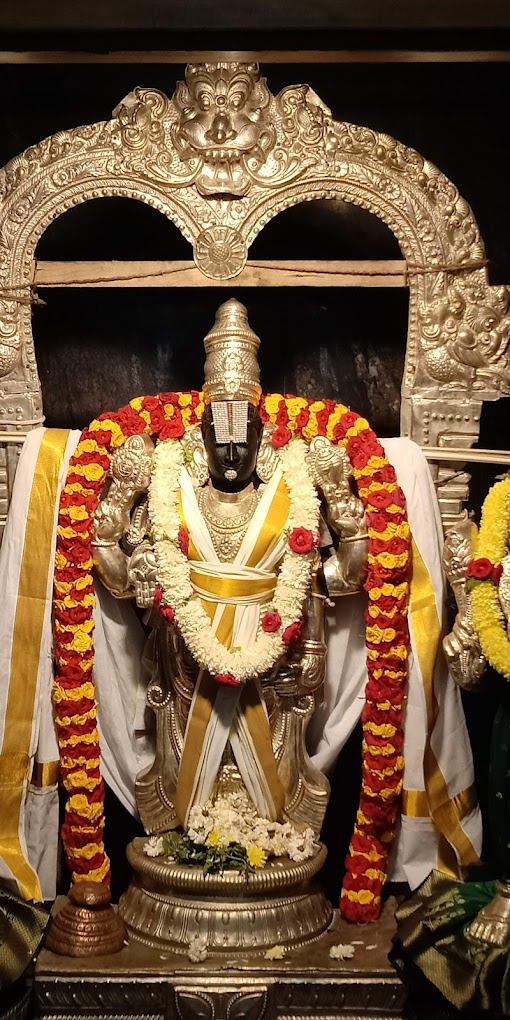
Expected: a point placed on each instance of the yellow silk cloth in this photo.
(455, 848)
(224, 594)
(36, 569)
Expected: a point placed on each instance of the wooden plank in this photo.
(314, 56)
(245, 15)
(256, 274)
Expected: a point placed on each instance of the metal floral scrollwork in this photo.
(220, 159)
(464, 336)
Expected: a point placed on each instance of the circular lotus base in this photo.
(167, 904)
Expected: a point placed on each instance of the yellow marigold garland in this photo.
(167, 416)
(484, 573)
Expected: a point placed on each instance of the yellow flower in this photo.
(318, 405)
(136, 403)
(97, 875)
(92, 472)
(295, 405)
(80, 738)
(214, 838)
(381, 729)
(85, 690)
(89, 851)
(83, 582)
(109, 426)
(272, 403)
(312, 429)
(184, 399)
(81, 642)
(257, 857)
(80, 803)
(78, 513)
(81, 779)
(68, 762)
(363, 896)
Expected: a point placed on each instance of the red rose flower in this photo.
(339, 432)
(130, 421)
(282, 418)
(348, 419)
(386, 473)
(481, 568)
(103, 437)
(386, 602)
(303, 418)
(158, 595)
(172, 429)
(150, 403)
(380, 498)
(183, 540)
(157, 420)
(227, 679)
(169, 398)
(360, 452)
(292, 633)
(167, 613)
(271, 622)
(322, 420)
(377, 521)
(496, 574)
(302, 540)
(263, 415)
(281, 436)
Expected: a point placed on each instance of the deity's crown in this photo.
(231, 367)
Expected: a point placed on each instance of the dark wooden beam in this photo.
(217, 15)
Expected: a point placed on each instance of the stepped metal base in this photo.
(168, 905)
(142, 984)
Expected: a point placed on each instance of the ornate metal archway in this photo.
(220, 159)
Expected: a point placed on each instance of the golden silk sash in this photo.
(446, 812)
(228, 591)
(36, 565)
(45, 773)
(231, 588)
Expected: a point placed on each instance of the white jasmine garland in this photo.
(197, 949)
(233, 818)
(342, 952)
(174, 570)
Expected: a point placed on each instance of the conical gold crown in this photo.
(231, 367)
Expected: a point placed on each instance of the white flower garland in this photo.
(174, 570)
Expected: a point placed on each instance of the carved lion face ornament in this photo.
(221, 108)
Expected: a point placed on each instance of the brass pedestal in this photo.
(143, 984)
(168, 905)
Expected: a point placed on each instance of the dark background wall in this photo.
(98, 348)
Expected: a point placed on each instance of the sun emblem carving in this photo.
(220, 253)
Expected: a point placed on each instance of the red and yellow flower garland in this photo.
(484, 573)
(167, 416)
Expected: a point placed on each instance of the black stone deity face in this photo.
(231, 465)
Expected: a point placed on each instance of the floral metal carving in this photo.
(464, 337)
(220, 159)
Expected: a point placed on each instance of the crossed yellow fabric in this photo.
(232, 596)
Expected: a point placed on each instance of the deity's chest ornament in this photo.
(227, 520)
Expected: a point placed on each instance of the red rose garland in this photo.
(167, 416)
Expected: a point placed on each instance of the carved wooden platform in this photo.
(140, 984)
